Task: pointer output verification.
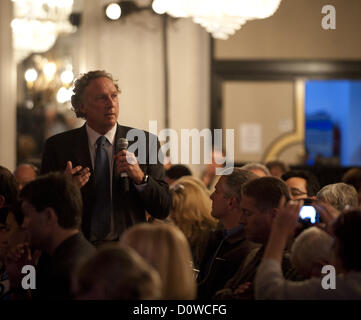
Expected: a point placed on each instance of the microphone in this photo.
(122, 144)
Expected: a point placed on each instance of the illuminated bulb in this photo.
(159, 6)
(67, 76)
(113, 11)
(63, 95)
(49, 70)
(31, 75)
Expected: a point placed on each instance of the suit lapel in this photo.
(81, 149)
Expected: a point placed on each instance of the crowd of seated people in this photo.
(243, 241)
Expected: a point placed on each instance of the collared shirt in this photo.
(231, 232)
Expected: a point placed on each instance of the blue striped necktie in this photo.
(102, 209)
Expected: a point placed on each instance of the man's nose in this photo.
(110, 102)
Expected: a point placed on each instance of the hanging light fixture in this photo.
(38, 23)
(219, 17)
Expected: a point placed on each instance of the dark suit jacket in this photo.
(216, 270)
(128, 207)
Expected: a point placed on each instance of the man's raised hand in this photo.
(79, 174)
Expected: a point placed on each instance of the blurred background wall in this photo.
(260, 112)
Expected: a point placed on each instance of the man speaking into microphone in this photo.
(116, 189)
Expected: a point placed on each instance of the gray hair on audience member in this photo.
(256, 166)
(236, 180)
(311, 249)
(339, 195)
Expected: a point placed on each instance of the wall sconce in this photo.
(51, 79)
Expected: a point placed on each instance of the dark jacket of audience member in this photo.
(52, 207)
(227, 248)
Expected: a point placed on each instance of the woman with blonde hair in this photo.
(165, 248)
(191, 212)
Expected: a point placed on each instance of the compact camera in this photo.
(308, 213)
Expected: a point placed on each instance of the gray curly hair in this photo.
(339, 195)
(82, 82)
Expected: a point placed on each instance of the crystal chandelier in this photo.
(38, 23)
(219, 17)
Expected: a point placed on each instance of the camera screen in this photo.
(308, 212)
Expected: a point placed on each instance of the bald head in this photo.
(24, 173)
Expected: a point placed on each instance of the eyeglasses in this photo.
(297, 192)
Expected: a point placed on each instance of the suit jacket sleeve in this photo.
(50, 160)
(156, 196)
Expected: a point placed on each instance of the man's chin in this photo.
(111, 123)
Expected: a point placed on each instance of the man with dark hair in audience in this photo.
(259, 204)
(52, 208)
(302, 184)
(227, 248)
(175, 172)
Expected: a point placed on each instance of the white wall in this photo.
(132, 51)
(7, 90)
(295, 32)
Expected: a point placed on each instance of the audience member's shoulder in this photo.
(83, 244)
(77, 246)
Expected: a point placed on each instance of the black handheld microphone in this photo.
(122, 144)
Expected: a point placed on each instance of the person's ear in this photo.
(81, 106)
(273, 212)
(51, 217)
(232, 203)
(2, 201)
